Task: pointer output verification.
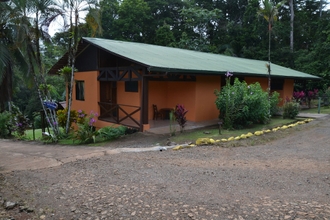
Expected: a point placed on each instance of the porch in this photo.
(128, 115)
(163, 126)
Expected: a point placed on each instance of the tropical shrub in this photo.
(75, 116)
(274, 101)
(5, 124)
(241, 104)
(325, 95)
(111, 132)
(86, 132)
(300, 96)
(20, 122)
(310, 96)
(290, 109)
(180, 116)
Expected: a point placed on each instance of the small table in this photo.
(166, 112)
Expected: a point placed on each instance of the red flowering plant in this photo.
(298, 96)
(180, 116)
(311, 95)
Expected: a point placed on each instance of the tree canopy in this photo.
(231, 27)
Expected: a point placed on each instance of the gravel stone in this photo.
(282, 179)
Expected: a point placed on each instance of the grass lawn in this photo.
(323, 110)
(192, 135)
(37, 134)
(213, 132)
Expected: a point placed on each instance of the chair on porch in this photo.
(157, 114)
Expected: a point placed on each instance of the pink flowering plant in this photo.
(301, 96)
(298, 96)
(86, 132)
(20, 122)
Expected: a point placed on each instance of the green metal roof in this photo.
(168, 59)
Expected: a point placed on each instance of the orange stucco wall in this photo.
(169, 94)
(205, 97)
(287, 89)
(197, 97)
(91, 92)
(263, 81)
(92, 95)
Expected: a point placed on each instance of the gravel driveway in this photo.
(288, 178)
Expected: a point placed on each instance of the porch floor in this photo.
(163, 126)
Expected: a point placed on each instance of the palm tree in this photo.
(269, 12)
(31, 19)
(10, 55)
(75, 8)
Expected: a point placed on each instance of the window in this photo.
(80, 90)
(131, 86)
(277, 84)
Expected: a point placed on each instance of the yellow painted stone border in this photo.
(208, 141)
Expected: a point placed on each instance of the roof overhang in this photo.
(173, 60)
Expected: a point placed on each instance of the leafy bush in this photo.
(75, 116)
(5, 124)
(290, 109)
(274, 101)
(37, 121)
(111, 132)
(86, 132)
(180, 116)
(325, 95)
(241, 104)
(21, 122)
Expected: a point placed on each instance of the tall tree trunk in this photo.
(269, 70)
(72, 57)
(291, 25)
(71, 63)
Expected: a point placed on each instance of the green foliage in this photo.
(274, 100)
(21, 122)
(241, 104)
(111, 132)
(66, 72)
(37, 121)
(133, 17)
(325, 96)
(164, 36)
(86, 132)
(172, 127)
(5, 124)
(290, 109)
(75, 116)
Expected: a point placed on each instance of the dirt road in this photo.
(288, 178)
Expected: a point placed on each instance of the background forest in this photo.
(300, 38)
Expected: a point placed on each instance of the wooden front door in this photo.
(108, 94)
